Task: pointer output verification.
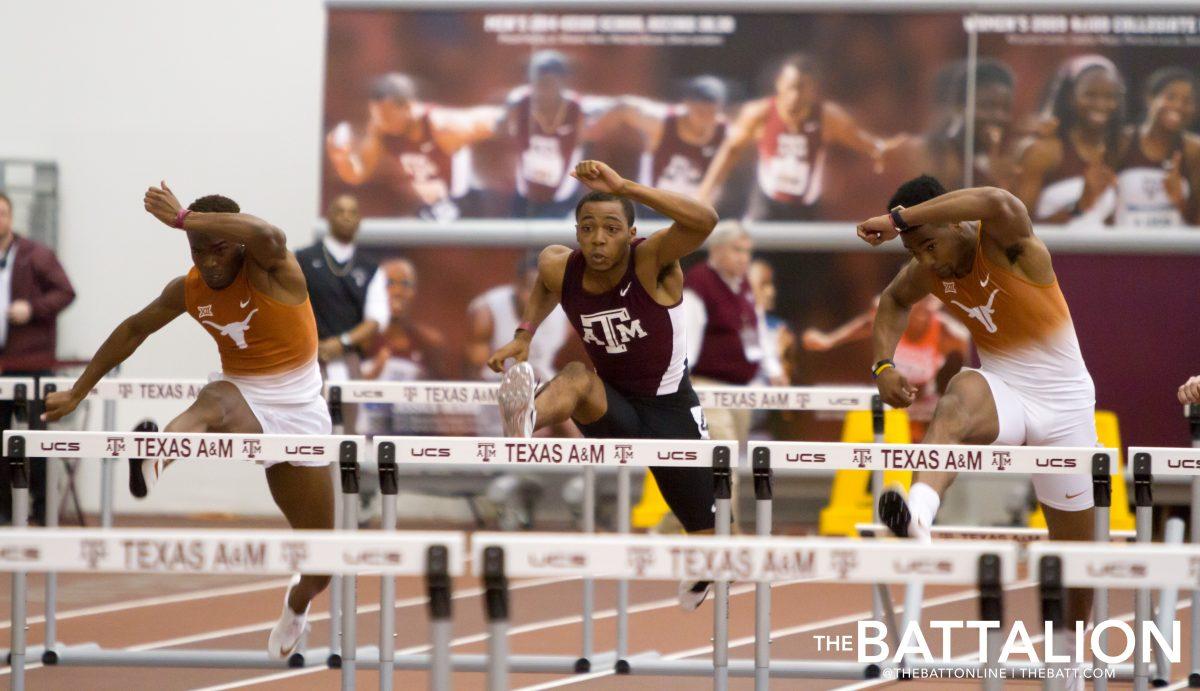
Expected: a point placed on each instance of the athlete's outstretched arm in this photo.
(546, 294)
(1004, 217)
(265, 244)
(455, 128)
(740, 135)
(693, 220)
(891, 319)
(119, 345)
(840, 127)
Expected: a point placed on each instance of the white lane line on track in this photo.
(776, 634)
(320, 616)
(480, 637)
(279, 583)
(1128, 616)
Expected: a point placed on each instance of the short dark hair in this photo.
(705, 88)
(803, 62)
(394, 86)
(4, 198)
(215, 203)
(626, 205)
(1166, 76)
(915, 191)
(548, 62)
(950, 87)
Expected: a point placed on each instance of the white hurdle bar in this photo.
(801, 457)
(550, 454)
(344, 451)
(435, 555)
(499, 556)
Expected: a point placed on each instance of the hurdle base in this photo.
(32, 652)
(368, 658)
(1194, 680)
(795, 669)
(95, 656)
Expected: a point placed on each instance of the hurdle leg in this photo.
(349, 473)
(1100, 602)
(1194, 677)
(723, 484)
(1168, 598)
(763, 495)
(496, 603)
(19, 469)
(437, 578)
(622, 665)
(108, 470)
(388, 487)
(1143, 517)
(991, 608)
(335, 582)
(52, 501)
(584, 664)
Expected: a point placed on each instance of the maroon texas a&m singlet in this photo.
(636, 344)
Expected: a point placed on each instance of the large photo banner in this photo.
(772, 116)
(469, 119)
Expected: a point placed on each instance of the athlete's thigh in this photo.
(1066, 493)
(219, 407)
(981, 409)
(620, 419)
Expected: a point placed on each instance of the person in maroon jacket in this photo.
(33, 290)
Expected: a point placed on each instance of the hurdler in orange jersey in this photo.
(975, 250)
(246, 290)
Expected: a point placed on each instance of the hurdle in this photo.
(801, 457)
(499, 556)
(435, 555)
(1131, 567)
(550, 454)
(1150, 463)
(340, 450)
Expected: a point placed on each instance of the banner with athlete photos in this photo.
(1090, 118)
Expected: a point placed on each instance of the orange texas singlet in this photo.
(255, 334)
(1023, 330)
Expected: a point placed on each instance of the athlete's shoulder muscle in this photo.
(552, 266)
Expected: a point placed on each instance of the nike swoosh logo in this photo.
(625, 289)
(1072, 496)
(243, 304)
(984, 282)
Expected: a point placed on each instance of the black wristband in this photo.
(898, 220)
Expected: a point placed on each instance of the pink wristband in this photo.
(525, 326)
(179, 217)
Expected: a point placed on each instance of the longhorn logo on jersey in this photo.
(612, 329)
(983, 313)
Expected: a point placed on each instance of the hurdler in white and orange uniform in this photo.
(248, 292)
(975, 250)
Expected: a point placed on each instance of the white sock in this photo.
(923, 503)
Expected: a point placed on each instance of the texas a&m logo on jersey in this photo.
(612, 329)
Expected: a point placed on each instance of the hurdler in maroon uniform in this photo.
(623, 297)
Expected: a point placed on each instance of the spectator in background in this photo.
(792, 129)
(549, 125)
(940, 152)
(495, 316)
(679, 140)
(417, 150)
(933, 348)
(1068, 175)
(348, 294)
(780, 338)
(33, 290)
(1158, 179)
(726, 332)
